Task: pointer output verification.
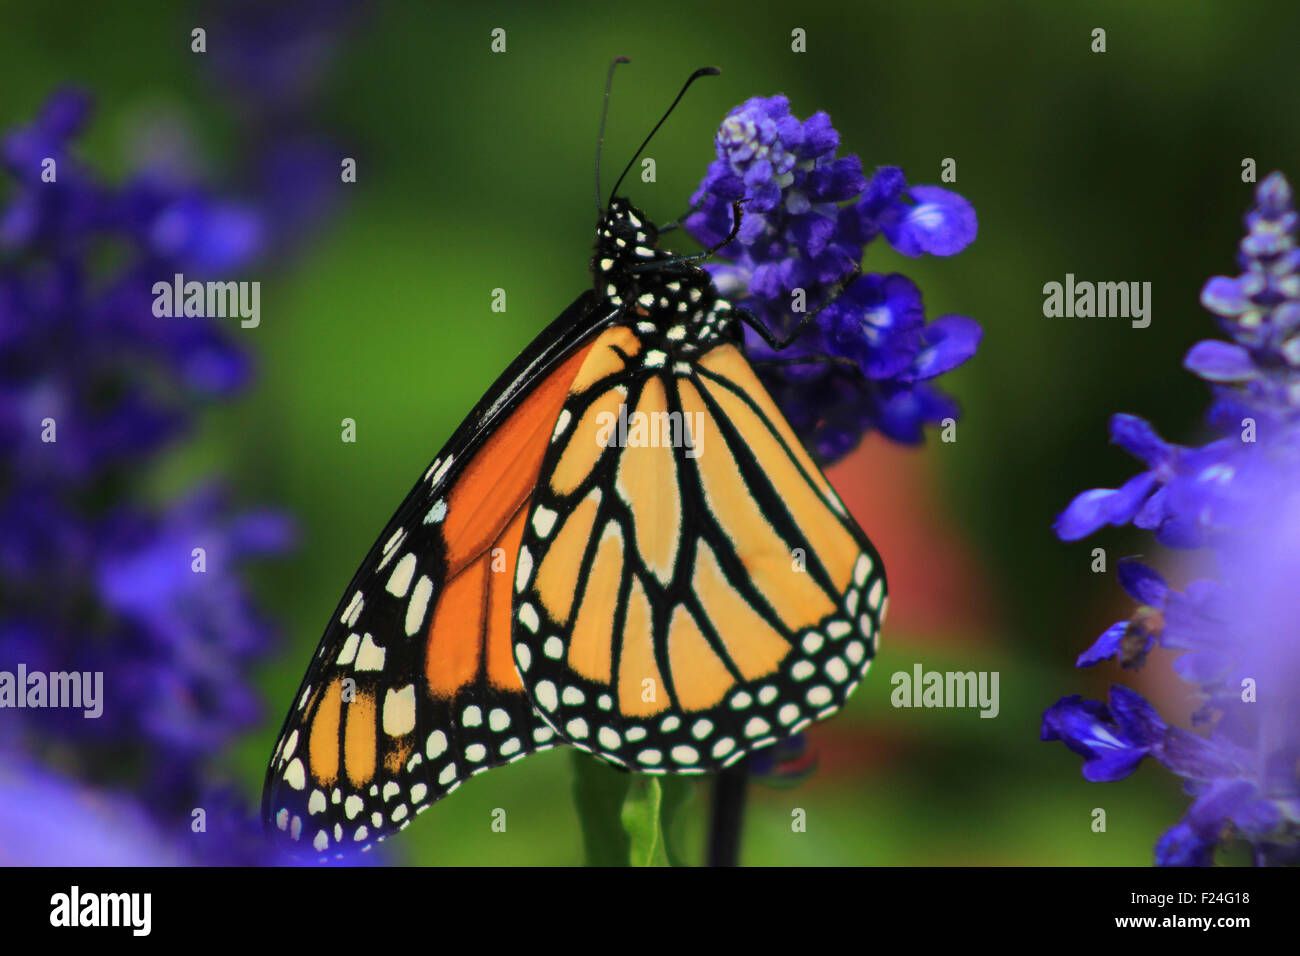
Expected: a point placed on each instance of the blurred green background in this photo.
(475, 172)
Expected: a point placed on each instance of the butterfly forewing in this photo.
(413, 688)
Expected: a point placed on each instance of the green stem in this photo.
(727, 817)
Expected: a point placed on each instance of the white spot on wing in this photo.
(390, 548)
(399, 582)
(399, 711)
(524, 569)
(561, 423)
(436, 745)
(819, 695)
(861, 570)
(544, 521)
(684, 753)
(442, 470)
(353, 610)
(418, 604)
(546, 696)
(371, 655)
(349, 652)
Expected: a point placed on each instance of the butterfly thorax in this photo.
(664, 295)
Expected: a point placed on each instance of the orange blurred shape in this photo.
(936, 587)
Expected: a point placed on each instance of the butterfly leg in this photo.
(805, 360)
(776, 343)
(707, 253)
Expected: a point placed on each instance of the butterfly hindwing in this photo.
(693, 588)
(413, 688)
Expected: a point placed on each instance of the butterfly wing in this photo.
(413, 688)
(689, 595)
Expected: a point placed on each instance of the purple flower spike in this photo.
(1234, 635)
(807, 217)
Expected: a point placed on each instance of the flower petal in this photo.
(949, 341)
(1135, 716)
(1217, 361)
(1226, 297)
(1144, 584)
(1139, 439)
(1105, 647)
(941, 223)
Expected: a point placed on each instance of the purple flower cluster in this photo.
(95, 576)
(867, 358)
(49, 820)
(271, 63)
(1239, 497)
(95, 573)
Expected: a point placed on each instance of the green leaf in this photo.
(599, 792)
(642, 822)
(627, 819)
(677, 792)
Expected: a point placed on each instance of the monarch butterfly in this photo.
(624, 548)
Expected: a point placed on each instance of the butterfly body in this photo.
(623, 548)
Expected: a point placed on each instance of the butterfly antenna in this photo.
(702, 71)
(604, 112)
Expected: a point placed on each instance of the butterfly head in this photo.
(625, 238)
(663, 289)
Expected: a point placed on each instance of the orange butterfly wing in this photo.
(413, 688)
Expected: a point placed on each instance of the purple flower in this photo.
(1239, 496)
(95, 575)
(194, 628)
(1187, 497)
(806, 217)
(46, 820)
(1193, 840)
(936, 221)
(877, 321)
(1113, 740)
(1131, 640)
